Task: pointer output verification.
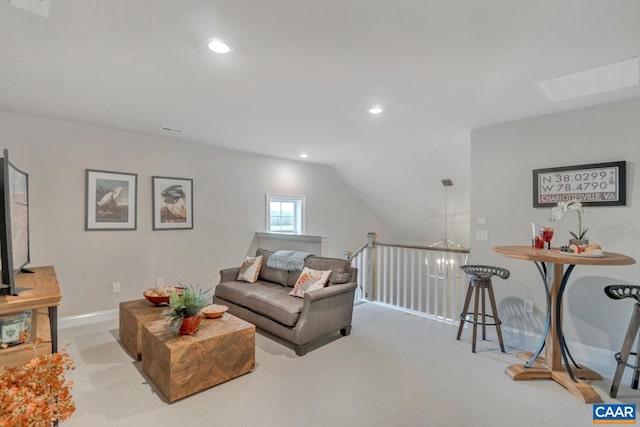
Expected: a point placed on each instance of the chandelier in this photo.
(445, 260)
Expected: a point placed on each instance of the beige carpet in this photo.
(395, 369)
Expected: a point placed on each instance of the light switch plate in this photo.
(528, 306)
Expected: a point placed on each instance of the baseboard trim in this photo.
(87, 318)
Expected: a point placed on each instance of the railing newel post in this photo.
(371, 266)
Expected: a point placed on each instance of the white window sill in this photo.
(292, 237)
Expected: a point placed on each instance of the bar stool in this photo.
(480, 280)
(621, 292)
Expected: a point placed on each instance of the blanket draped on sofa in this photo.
(288, 260)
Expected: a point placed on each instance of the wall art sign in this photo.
(110, 200)
(172, 203)
(598, 184)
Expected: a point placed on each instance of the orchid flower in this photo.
(577, 206)
(556, 214)
(574, 205)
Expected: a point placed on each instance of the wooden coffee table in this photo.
(181, 365)
(133, 314)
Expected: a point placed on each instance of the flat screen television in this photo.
(14, 223)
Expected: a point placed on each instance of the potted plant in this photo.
(184, 309)
(574, 205)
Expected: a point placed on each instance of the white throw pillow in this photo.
(250, 269)
(310, 280)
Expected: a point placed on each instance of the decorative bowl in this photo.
(214, 311)
(160, 296)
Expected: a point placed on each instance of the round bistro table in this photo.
(552, 341)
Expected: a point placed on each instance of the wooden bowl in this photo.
(214, 311)
(152, 296)
(157, 300)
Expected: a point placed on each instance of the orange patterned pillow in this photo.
(250, 269)
(310, 280)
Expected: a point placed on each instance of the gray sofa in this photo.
(268, 305)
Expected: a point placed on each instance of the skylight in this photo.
(614, 76)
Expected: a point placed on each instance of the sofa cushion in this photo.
(268, 273)
(265, 298)
(293, 278)
(277, 305)
(341, 270)
(310, 280)
(250, 269)
(236, 291)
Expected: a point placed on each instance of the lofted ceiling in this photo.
(302, 75)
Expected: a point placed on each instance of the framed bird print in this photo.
(111, 199)
(172, 203)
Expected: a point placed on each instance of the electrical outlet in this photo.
(160, 281)
(116, 287)
(528, 306)
(482, 235)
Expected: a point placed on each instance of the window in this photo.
(285, 214)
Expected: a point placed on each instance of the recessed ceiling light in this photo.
(218, 46)
(304, 155)
(376, 109)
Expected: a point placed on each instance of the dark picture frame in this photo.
(596, 184)
(111, 200)
(172, 202)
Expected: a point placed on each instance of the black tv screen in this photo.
(14, 222)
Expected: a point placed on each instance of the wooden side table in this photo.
(38, 291)
(133, 314)
(181, 365)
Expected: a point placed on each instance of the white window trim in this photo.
(267, 210)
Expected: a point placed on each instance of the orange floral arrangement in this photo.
(37, 393)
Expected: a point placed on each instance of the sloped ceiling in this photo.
(303, 73)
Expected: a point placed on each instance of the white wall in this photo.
(503, 157)
(404, 189)
(229, 203)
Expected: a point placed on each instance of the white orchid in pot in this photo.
(574, 205)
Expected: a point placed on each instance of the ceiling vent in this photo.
(39, 7)
(174, 130)
(614, 76)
